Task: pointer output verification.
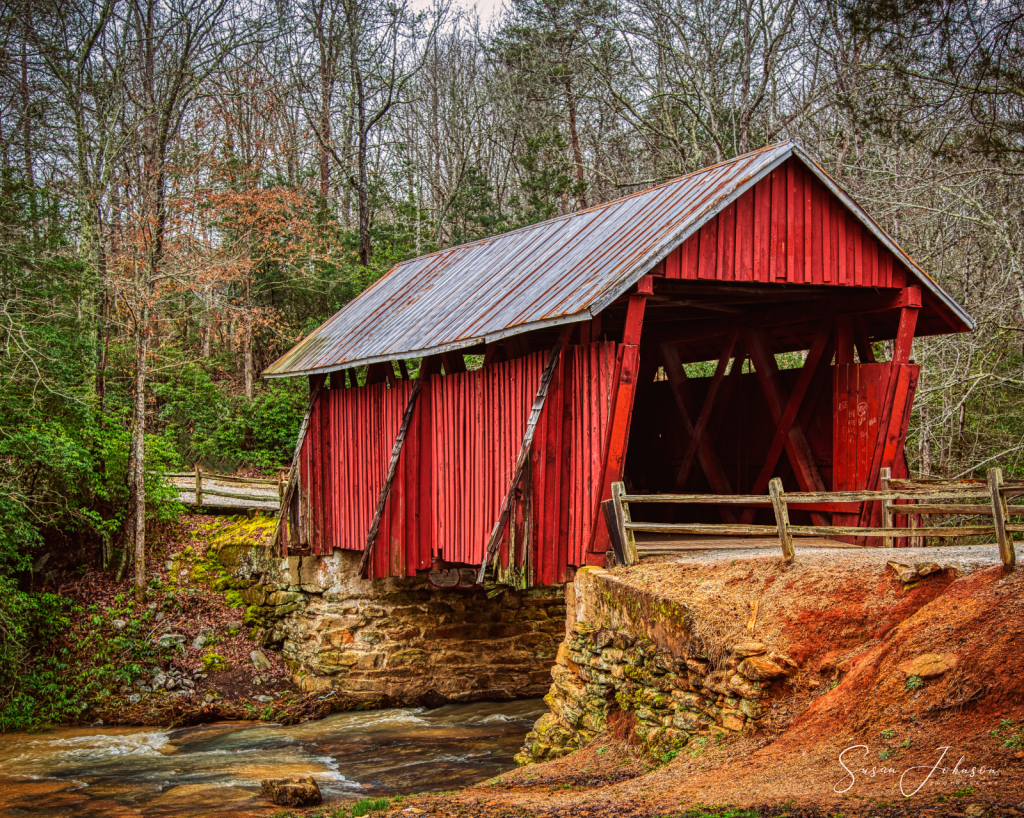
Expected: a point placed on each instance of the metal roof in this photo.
(562, 270)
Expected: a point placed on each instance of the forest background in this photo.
(188, 187)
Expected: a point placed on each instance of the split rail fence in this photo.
(912, 498)
(240, 497)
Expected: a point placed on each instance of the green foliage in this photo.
(914, 683)
(57, 659)
(546, 176)
(368, 805)
(1015, 740)
(715, 812)
(202, 422)
(474, 213)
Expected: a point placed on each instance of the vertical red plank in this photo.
(762, 229)
(809, 230)
(673, 263)
(316, 484)
(548, 500)
(851, 250)
(425, 486)
(794, 224)
(327, 468)
(841, 244)
(708, 249)
(828, 252)
(581, 451)
(691, 257)
(839, 409)
(858, 254)
(777, 249)
(819, 221)
(725, 264)
(870, 259)
(561, 525)
(745, 236)
(864, 428)
(599, 424)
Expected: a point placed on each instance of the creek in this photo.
(216, 769)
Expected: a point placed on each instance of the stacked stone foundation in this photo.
(401, 641)
(628, 655)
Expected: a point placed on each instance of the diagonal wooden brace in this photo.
(700, 427)
(706, 454)
(819, 355)
(798, 450)
(382, 499)
(522, 460)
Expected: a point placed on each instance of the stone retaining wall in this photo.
(630, 655)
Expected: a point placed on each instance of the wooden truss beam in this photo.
(790, 314)
(706, 453)
(819, 356)
(700, 427)
(626, 375)
(798, 450)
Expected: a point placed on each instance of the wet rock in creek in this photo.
(292, 792)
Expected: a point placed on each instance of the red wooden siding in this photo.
(341, 490)
(456, 464)
(479, 419)
(788, 228)
(858, 395)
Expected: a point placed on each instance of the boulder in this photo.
(749, 648)
(168, 639)
(759, 670)
(292, 792)
(929, 665)
(199, 642)
(261, 662)
(905, 573)
(118, 624)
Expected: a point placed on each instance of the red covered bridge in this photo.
(475, 405)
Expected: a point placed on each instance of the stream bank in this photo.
(230, 632)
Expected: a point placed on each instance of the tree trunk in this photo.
(247, 365)
(574, 137)
(137, 472)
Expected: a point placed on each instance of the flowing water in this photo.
(216, 769)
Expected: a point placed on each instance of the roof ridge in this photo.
(597, 207)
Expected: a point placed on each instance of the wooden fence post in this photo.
(199, 485)
(1000, 512)
(781, 518)
(621, 509)
(884, 475)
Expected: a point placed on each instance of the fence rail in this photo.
(241, 497)
(897, 497)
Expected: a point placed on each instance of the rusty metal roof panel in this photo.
(558, 271)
